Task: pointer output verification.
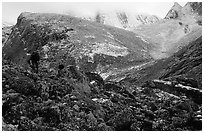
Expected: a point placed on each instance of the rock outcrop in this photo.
(6, 31)
(174, 12)
(190, 9)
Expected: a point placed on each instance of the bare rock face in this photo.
(174, 12)
(179, 12)
(6, 31)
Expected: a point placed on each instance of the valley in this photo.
(114, 71)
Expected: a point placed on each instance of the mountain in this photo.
(191, 9)
(111, 79)
(180, 26)
(165, 36)
(121, 19)
(186, 64)
(65, 39)
(161, 95)
(78, 102)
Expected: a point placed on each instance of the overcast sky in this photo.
(11, 10)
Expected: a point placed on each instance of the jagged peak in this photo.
(176, 6)
(174, 12)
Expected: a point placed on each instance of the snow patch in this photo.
(101, 100)
(90, 36)
(188, 87)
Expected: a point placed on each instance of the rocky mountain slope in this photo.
(44, 102)
(180, 26)
(139, 93)
(6, 30)
(60, 38)
(166, 36)
(191, 9)
(185, 64)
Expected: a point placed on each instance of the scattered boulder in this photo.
(95, 77)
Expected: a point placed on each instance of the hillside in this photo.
(76, 101)
(60, 38)
(185, 64)
(73, 102)
(165, 36)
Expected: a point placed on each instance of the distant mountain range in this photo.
(123, 19)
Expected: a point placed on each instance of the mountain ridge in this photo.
(88, 42)
(120, 18)
(190, 9)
